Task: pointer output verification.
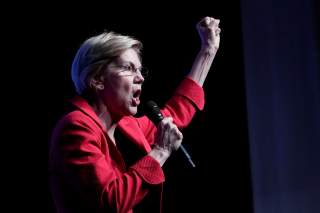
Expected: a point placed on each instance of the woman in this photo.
(101, 157)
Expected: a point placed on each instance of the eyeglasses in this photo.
(130, 68)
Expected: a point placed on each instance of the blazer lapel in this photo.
(129, 127)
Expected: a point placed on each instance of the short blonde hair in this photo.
(97, 51)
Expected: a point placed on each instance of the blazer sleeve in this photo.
(182, 106)
(86, 168)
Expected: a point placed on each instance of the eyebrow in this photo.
(131, 64)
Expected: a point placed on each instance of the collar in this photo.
(125, 124)
(83, 106)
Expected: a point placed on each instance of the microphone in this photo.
(154, 114)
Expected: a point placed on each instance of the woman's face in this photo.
(122, 85)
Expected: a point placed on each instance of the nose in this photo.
(139, 78)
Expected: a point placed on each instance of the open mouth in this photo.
(136, 95)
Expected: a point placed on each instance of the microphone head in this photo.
(153, 112)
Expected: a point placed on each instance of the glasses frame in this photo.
(143, 71)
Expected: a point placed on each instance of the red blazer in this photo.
(88, 172)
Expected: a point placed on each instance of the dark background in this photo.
(45, 38)
(217, 137)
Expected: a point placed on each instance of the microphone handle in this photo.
(187, 155)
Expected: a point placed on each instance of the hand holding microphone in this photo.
(168, 136)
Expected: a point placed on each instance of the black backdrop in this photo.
(38, 44)
(217, 137)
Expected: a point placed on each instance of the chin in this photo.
(133, 110)
(128, 109)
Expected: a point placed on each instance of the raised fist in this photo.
(209, 31)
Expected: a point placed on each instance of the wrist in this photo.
(208, 49)
(160, 154)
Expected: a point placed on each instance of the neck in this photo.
(107, 119)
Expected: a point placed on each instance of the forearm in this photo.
(201, 65)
